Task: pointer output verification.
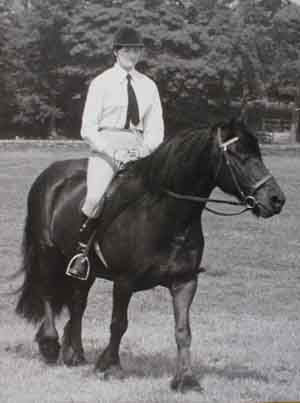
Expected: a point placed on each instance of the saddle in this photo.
(121, 193)
(124, 190)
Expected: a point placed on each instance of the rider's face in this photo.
(128, 57)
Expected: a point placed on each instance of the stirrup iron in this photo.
(85, 261)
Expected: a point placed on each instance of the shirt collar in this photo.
(122, 74)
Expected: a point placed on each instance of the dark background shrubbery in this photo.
(208, 57)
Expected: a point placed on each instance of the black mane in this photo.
(177, 162)
(173, 163)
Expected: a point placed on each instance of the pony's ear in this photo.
(237, 122)
(229, 129)
(232, 123)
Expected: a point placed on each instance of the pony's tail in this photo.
(30, 304)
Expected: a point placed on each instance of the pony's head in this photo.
(227, 156)
(241, 172)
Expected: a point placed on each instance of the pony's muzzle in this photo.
(277, 202)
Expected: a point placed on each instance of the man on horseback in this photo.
(122, 121)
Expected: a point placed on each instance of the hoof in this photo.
(73, 359)
(185, 384)
(49, 349)
(106, 362)
(72, 354)
(115, 372)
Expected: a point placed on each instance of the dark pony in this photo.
(150, 234)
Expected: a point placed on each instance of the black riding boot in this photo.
(79, 266)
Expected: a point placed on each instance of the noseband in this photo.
(249, 201)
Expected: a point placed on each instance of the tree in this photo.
(203, 55)
(6, 93)
(37, 54)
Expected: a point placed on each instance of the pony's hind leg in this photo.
(50, 284)
(108, 361)
(72, 349)
(47, 335)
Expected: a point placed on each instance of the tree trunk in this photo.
(52, 126)
(297, 116)
(298, 126)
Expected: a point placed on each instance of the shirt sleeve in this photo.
(153, 123)
(92, 115)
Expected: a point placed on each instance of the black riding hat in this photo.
(127, 37)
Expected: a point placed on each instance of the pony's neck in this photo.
(199, 176)
(183, 164)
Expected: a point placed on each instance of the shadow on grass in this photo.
(155, 365)
(233, 372)
(24, 350)
(161, 364)
(214, 272)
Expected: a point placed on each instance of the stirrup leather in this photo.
(85, 260)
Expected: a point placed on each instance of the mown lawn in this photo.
(245, 317)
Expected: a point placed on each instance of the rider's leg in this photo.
(99, 175)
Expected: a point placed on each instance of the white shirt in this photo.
(106, 107)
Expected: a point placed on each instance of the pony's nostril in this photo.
(277, 202)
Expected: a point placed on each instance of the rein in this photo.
(248, 201)
(197, 199)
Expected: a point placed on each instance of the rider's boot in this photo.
(78, 266)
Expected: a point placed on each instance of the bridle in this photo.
(248, 201)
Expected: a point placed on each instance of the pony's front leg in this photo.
(183, 294)
(109, 361)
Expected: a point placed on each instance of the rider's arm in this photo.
(153, 122)
(92, 116)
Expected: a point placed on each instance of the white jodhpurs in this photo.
(100, 172)
(119, 146)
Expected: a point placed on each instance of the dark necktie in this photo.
(133, 108)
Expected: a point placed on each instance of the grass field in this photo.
(245, 318)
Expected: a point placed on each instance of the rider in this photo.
(122, 120)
